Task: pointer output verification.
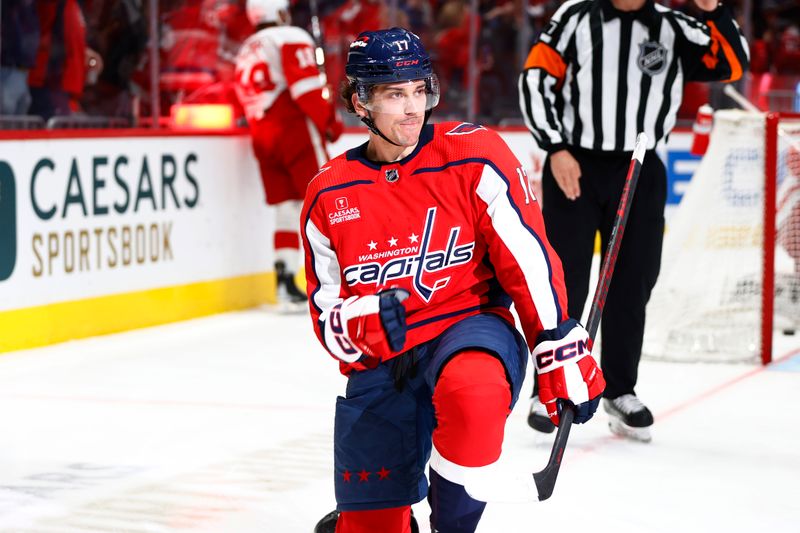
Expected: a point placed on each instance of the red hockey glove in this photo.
(371, 326)
(567, 371)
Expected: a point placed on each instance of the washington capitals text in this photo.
(409, 265)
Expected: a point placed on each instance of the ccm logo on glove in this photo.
(567, 372)
(562, 353)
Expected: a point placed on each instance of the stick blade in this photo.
(545, 482)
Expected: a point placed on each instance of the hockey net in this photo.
(730, 272)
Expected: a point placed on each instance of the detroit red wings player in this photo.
(417, 243)
(291, 119)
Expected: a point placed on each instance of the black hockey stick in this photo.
(546, 479)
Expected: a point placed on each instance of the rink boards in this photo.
(112, 231)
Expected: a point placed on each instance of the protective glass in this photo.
(400, 98)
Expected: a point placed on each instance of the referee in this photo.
(601, 71)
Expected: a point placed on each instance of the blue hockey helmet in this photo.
(389, 56)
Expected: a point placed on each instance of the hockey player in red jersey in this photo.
(291, 116)
(417, 242)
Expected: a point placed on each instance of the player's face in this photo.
(399, 110)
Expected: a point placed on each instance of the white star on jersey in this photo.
(372, 245)
(413, 238)
(392, 242)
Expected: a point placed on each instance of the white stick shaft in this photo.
(739, 98)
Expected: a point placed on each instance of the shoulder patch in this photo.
(320, 171)
(465, 128)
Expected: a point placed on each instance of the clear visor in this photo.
(407, 97)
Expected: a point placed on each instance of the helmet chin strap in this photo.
(374, 129)
(367, 119)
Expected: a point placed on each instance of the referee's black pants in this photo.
(571, 227)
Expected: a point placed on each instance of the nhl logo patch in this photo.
(652, 58)
(392, 175)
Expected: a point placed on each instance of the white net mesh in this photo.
(707, 303)
(787, 222)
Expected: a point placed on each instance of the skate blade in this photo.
(620, 428)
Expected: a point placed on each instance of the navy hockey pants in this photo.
(383, 436)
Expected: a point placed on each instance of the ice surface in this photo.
(224, 424)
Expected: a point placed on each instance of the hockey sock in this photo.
(287, 237)
(472, 399)
(287, 249)
(394, 520)
(452, 510)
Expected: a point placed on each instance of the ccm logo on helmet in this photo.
(562, 353)
(407, 63)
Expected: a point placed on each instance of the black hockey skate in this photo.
(629, 417)
(328, 523)
(538, 418)
(290, 297)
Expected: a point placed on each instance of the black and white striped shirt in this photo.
(598, 76)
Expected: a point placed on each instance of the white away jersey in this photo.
(272, 61)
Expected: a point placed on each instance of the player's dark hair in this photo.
(346, 92)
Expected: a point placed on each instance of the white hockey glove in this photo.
(567, 372)
(373, 325)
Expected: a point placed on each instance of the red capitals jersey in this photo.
(277, 78)
(455, 223)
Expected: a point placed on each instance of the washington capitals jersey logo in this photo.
(417, 262)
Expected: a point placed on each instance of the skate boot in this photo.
(538, 418)
(327, 523)
(290, 298)
(628, 417)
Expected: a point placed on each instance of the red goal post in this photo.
(730, 277)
